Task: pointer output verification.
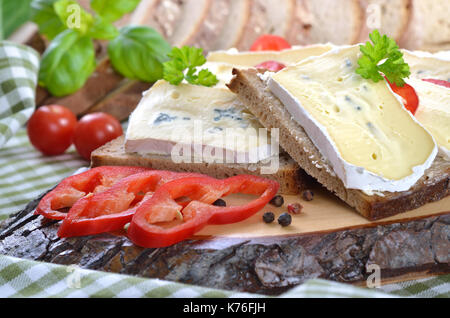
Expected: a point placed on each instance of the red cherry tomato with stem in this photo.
(269, 42)
(51, 129)
(93, 131)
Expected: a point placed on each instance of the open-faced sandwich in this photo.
(359, 136)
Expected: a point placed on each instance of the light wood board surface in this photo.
(324, 213)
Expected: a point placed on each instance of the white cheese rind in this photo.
(353, 177)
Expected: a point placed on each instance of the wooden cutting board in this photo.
(327, 240)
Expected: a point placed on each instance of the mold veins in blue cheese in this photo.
(372, 142)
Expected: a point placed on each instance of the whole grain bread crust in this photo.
(255, 95)
(291, 178)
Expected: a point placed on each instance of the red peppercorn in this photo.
(294, 208)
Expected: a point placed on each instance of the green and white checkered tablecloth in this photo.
(18, 78)
(25, 173)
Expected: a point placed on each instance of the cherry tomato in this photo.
(272, 66)
(268, 42)
(408, 94)
(51, 129)
(437, 82)
(93, 131)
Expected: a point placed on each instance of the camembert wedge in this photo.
(427, 65)
(434, 111)
(372, 142)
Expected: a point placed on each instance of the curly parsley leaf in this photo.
(382, 57)
(183, 65)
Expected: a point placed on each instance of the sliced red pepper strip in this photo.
(112, 209)
(73, 188)
(199, 212)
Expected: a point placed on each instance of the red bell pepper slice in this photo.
(112, 209)
(145, 232)
(73, 188)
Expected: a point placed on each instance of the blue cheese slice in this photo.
(434, 111)
(372, 142)
(208, 123)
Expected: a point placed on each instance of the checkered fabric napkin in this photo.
(19, 66)
(22, 278)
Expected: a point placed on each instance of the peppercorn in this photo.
(268, 217)
(220, 202)
(285, 219)
(308, 195)
(277, 201)
(295, 208)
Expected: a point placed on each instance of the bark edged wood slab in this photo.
(267, 265)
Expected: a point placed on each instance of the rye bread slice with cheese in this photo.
(292, 179)
(390, 17)
(429, 26)
(267, 16)
(321, 21)
(257, 97)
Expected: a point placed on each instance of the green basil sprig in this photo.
(67, 63)
(139, 53)
(135, 52)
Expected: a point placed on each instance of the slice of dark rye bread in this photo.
(257, 97)
(291, 178)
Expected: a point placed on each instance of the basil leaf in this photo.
(113, 10)
(67, 63)
(73, 16)
(102, 29)
(44, 15)
(138, 53)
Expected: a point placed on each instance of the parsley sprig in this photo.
(183, 65)
(383, 57)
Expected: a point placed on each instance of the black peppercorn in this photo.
(220, 202)
(277, 201)
(285, 219)
(268, 217)
(308, 195)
